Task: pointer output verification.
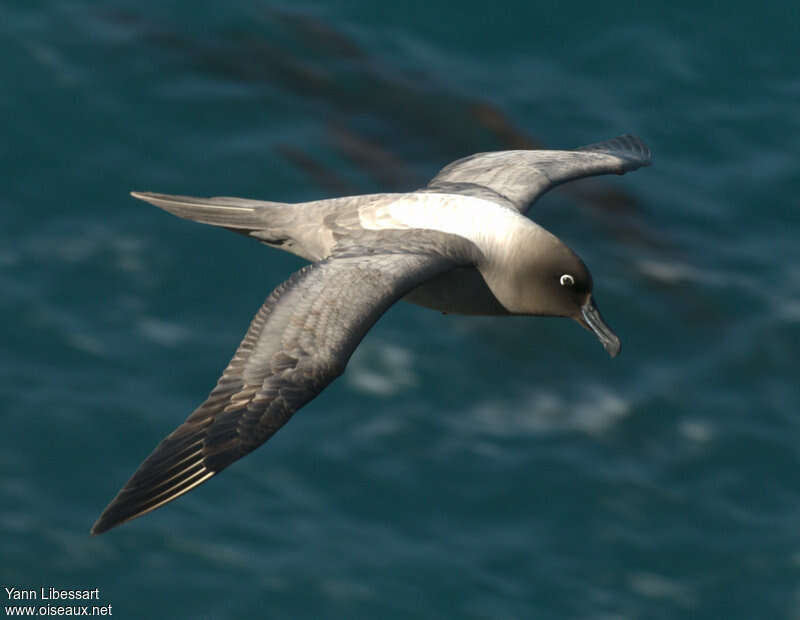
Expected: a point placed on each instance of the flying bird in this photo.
(461, 244)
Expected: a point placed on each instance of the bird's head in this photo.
(551, 280)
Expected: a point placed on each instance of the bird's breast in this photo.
(461, 291)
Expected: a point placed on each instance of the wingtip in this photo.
(115, 514)
(96, 530)
(627, 146)
(103, 524)
(133, 502)
(636, 144)
(109, 520)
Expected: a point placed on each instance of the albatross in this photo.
(462, 244)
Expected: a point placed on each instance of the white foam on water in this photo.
(164, 333)
(655, 586)
(594, 409)
(789, 310)
(49, 57)
(698, 431)
(381, 369)
(678, 273)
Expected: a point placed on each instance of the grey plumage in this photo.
(430, 246)
(520, 177)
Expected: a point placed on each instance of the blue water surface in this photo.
(462, 467)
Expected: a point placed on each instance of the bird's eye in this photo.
(567, 280)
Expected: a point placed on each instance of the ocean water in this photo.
(462, 467)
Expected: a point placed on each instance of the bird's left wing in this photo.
(518, 178)
(300, 340)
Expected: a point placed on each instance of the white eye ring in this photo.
(567, 280)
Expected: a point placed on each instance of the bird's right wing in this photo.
(520, 177)
(300, 340)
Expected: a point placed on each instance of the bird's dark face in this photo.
(549, 279)
(576, 295)
(569, 286)
(558, 283)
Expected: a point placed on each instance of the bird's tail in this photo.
(237, 214)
